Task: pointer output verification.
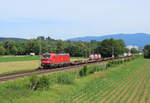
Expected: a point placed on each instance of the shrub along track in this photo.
(127, 85)
(11, 76)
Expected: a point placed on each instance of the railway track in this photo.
(12, 76)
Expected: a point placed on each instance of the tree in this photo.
(21, 50)
(2, 50)
(92, 46)
(119, 47)
(60, 46)
(147, 51)
(134, 50)
(8, 46)
(14, 50)
(32, 46)
(77, 49)
(41, 38)
(106, 47)
(126, 50)
(111, 47)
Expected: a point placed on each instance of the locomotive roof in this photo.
(55, 54)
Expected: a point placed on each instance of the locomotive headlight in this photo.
(49, 62)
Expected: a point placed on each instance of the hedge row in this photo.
(86, 70)
(43, 82)
(117, 62)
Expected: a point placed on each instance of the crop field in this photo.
(10, 64)
(129, 83)
(18, 66)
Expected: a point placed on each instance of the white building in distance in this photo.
(131, 46)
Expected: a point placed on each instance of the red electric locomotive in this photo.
(49, 60)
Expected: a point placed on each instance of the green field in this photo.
(128, 83)
(18, 58)
(9, 64)
(29, 58)
(125, 83)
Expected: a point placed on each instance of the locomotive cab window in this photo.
(46, 56)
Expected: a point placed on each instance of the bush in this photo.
(83, 71)
(122, 61)
(33, 79)
(113, 62)
(38, 82)
(65, 78)
(147, 51)
(102, 66)
(125, 60)
(128, 59)
(43, 82)
(109, 64)
(116, 62)
(98, 67)
(92, 69)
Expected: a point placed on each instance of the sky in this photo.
(63, 19)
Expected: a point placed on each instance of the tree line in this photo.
(147, 51)
(107, 47)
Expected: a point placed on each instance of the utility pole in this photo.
(40, 49)
(113, 52)
(40, 46)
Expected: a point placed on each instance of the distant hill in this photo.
(14, 39)
(139, 39)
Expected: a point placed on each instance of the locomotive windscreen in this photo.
(46, 56)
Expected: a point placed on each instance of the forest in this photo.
(107, 47)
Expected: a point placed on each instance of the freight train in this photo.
(95, 56)
(52, 60)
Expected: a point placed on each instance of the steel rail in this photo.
(11, 76)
